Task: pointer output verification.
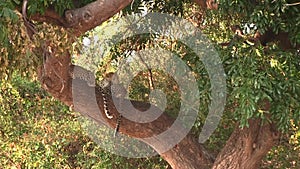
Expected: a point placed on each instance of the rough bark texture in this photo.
(187, 154)
(85, 18)
(245, 148)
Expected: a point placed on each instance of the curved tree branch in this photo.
(93, 14)
(54, 77)
(50, 16)
(282, 38)
(88, 17)
(189, 153)
(85, 18)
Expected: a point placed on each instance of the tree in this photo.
(263, 87)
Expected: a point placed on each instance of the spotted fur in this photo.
(115, 90)
(118, 125)
(78, 72)
(105, 94)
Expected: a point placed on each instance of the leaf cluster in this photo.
(277, 16)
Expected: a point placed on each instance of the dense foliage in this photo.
(37, 131)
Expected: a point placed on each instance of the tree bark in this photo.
(83, 19)
(246, 147)
(189, 153)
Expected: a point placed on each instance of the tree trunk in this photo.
(244, 150)
(246, 147)
(189, 153)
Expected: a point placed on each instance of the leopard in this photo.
(113, 88)
(78, 72)
(105, 88)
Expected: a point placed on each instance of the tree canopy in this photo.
(257, 42)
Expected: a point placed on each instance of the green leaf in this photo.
(17, 2)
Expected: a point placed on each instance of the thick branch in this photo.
(85, 18)
(247, 147)
(187, 154)
(93, 14)
(50, 16)
(283, 39)
(89, 102)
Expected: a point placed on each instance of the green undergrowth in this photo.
(39, 132)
